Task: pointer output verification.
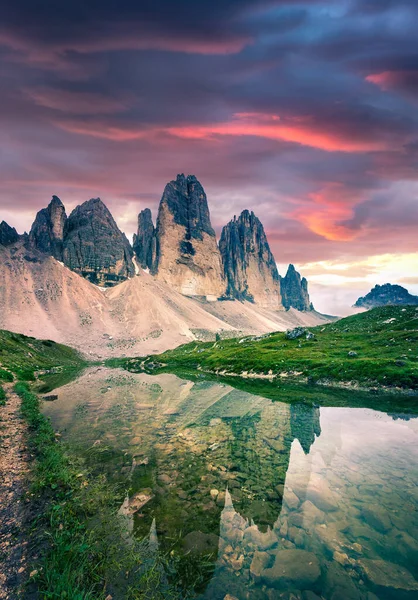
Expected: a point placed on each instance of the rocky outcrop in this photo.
(387, 294)
(8, 235)
(294, 290)
(249, 266)
(145, 241)
(94, 246)
(187, 255)
(47, 233)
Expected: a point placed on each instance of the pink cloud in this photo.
(305, 130)
(392, 80)
(326, 208)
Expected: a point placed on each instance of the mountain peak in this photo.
(386, 294)
(187, 254)
(95, 247)
(145, 242)
(8, 235)
(47, 232)
(295, 290)
(249, 264)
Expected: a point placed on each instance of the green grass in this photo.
(385, 340)
(2, 396)
(23, 356)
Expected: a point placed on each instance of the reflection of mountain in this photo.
(190, 442)
(223, 471)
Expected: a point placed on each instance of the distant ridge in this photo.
(386, 295)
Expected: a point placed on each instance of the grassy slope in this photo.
(385, 340)
(21, 355)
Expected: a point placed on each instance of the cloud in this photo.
(404, 82)
(303, 111)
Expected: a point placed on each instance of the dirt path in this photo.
(13, 469)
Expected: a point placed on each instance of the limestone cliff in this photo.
(249, 266)
(47, 233)
(387, 294)
(294, 290)
(188, 257)
(8, 235)
(94, 246)
(145, 242)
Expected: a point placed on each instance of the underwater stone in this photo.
(293, 569)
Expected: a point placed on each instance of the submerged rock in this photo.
(293, 569)
(259, 564)
(387, 577)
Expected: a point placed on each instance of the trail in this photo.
(13, 469)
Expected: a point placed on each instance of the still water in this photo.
(279, 500)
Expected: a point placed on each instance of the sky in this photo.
(303, 111)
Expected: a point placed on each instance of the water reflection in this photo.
(289, 500)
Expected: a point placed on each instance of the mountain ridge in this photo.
(387, 294)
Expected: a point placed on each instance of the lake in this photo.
(254, 498)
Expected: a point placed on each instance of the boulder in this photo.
(294, 334)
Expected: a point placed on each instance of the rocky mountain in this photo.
(145, 241)
(294, 289)
(180, 250)
(8, 235)
(383, 295)
(187, 255)
(249, 266)
(95, 247)
(47, 233)
(40, 296)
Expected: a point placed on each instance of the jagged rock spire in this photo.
(47, 232)
(145, 241)
(295, 290)
(249, 265)
(8, 235)
(188, 257)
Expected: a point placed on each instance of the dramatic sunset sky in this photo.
(304, 111)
